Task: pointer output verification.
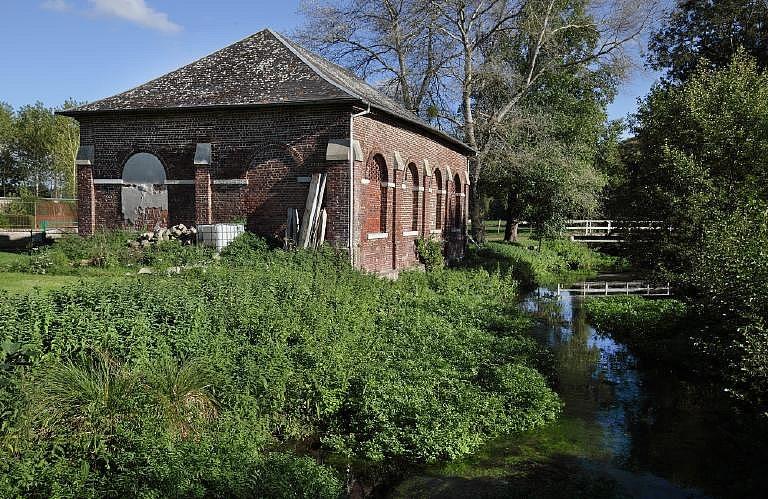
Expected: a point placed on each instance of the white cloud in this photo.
(136, 11)
(56, 5)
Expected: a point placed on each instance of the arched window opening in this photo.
(458, 219)
(376, 195)
(143, 168)
(413, 172)
(144, 197)
(438, 180)
(383, 189)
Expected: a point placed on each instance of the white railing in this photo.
(606, 288)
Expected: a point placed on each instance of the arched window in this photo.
(413, 173)
(457, 218)
(383, 189)
(143, 168)
(144, 196)
(438, 180)
(376, 194)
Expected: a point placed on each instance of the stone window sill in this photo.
(377, 235)
(436, 231)
(410, 233)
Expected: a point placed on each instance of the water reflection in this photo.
(674, 435)
(650, 431)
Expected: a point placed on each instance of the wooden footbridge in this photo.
(604, 231)
(608, 288)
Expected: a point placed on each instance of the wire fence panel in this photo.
(38, 215)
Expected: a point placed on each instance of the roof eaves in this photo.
(75, 112)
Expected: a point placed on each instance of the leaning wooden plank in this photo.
(323, 221)
(295, 224)
(316, 212)
(306, 220)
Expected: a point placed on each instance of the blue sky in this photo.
(88, 49)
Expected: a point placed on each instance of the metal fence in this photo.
(38, 215)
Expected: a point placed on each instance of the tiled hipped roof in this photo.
(263, 69)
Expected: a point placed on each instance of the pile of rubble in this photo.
(181, 232)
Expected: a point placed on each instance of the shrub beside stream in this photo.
(203, 383)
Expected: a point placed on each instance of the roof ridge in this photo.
(289, 45)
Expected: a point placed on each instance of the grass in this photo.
(16, 282)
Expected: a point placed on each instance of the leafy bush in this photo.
(554, 261)
(430, 253)
(110, 250)
(652, 328)
(298, 347)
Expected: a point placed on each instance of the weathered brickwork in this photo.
(258, 159)
(380, 136)
(261, 162)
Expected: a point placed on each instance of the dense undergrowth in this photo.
(654, 329)
(553, 261)
(105, 252)
(201, 384)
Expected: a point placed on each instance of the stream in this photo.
(627, 430)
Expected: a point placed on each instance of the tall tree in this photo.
(34, 139)
(394, 43)
(66, 145)
(709, 32)
(464, 32)
(9, 173)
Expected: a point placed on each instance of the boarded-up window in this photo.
(438, 180)
(457, 215)
(413, 173)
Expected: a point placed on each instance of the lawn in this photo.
(20, 282)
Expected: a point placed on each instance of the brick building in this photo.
(238, 135)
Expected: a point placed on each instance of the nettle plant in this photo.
(430, 253)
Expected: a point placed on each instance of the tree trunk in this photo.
(510, 231)
(513, 218)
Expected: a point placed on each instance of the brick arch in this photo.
(458, 202)
(276, 148)
(160, 164)
(375, 195)
(438, 188)
(144, 202)
(411, 187)
(272, 186)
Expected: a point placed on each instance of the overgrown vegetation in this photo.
(552, 261)
(430, 253)
(652, 328)
(698, 165)
(201, 384)
(108, 250)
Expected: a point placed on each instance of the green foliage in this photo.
(695, 34)
(430, 253)
(700, 169)
(652, 328)
(728, 277)
(110, 250)
(298, 347)
(554, 261)
(542, 162)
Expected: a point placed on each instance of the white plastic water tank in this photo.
(218, 235)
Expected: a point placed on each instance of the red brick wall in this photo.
(380, 134)
(270, 147)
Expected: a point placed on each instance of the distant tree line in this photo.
(37, 151)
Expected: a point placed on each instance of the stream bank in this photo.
(628, 429)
